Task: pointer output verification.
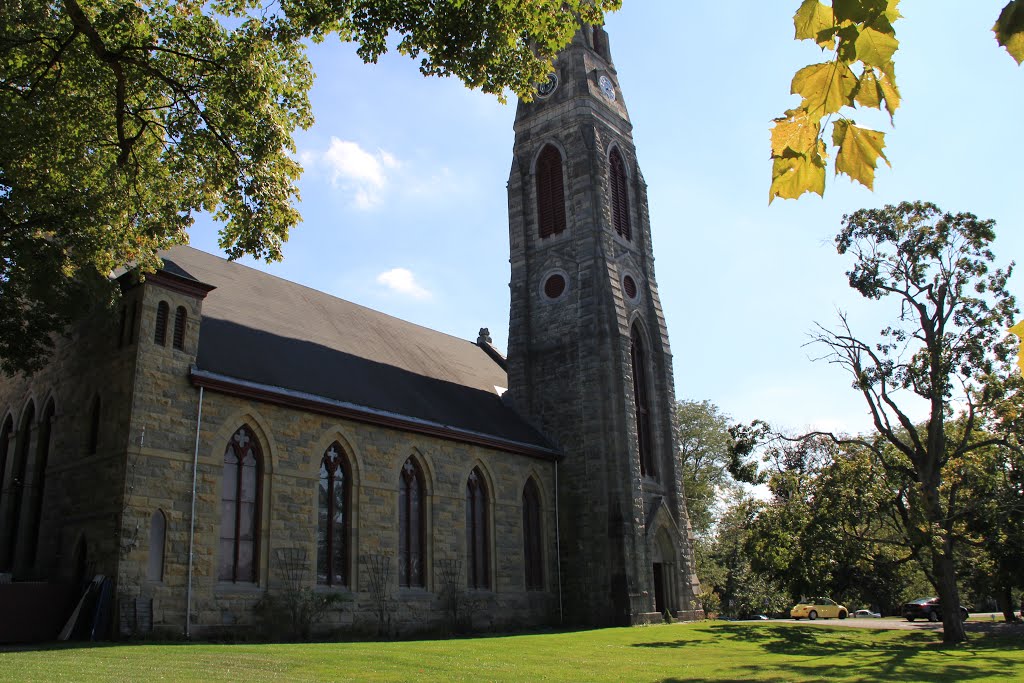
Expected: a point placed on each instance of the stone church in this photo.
(232, 435)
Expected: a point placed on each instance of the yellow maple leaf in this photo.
(1018, 330)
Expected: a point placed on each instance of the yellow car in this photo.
(819, 607)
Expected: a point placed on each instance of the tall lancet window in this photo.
(619, 194)
(412, 529)
(333, 525)
(533, 562)
(5, 440)
(550, 193)
(239, 511)
(16, 487)
(641, 404)
(477, 550)
(39, 485)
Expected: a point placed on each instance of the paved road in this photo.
(987, 621)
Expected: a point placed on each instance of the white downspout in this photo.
(192, 522)
(558, 549)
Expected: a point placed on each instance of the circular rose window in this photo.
(629, 284)
(554, 286)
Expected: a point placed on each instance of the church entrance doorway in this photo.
(663, 571)
(659, 587)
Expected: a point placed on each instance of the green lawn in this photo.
(718, 651)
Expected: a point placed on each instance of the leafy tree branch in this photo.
(861, 36)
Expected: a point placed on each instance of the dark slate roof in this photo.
(262, 329)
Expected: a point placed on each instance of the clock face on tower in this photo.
(607, 88)
(547, 87)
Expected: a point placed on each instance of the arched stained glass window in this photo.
(38, 487)
(239, 508)
(477, 546)
(619, 195)
(333, 495)
(5, 441)
(550, 193)
(16, 487)
(533, 561)
(411, 526)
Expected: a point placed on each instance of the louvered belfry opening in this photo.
(550, 193)
(620, 195)
(180, 320)
(160, 330)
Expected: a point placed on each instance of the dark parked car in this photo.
(927, 608)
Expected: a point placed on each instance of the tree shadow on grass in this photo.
(824, 653)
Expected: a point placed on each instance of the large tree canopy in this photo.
(861, 38)
(945, 342)
(121, 119)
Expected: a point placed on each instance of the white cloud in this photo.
(402, 281)
(355, 170)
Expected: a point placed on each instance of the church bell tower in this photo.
(588, 356)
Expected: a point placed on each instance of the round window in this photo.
(554, 286)
(629, 285)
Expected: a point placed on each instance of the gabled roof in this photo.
(262, 334)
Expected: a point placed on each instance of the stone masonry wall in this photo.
(75, 500)
(292, 444)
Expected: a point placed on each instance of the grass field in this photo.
(713, 651)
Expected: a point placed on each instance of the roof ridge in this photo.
(320, 292)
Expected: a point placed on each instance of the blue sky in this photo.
(404, 201)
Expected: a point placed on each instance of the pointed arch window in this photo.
(157, 545)
(239, 508)
(533, 562)
(477, 545)
(163, 312)
(641, 404)
(333, 518)
(16, 487)
(412, 530)
(38, 488)
(180, 322)
(5, 440)
(619, 195)
(550, 193)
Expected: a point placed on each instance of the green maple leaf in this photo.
(825, 87)
(1009, 29)
(869, 92)
(795, 131)
(859, 11)
(794, 174)
(859, 151)
(874, 47)
(813, 21)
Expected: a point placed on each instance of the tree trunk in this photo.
(939, 524)
(949, 595)
(1004, 598)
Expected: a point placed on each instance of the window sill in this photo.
(240, 588)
